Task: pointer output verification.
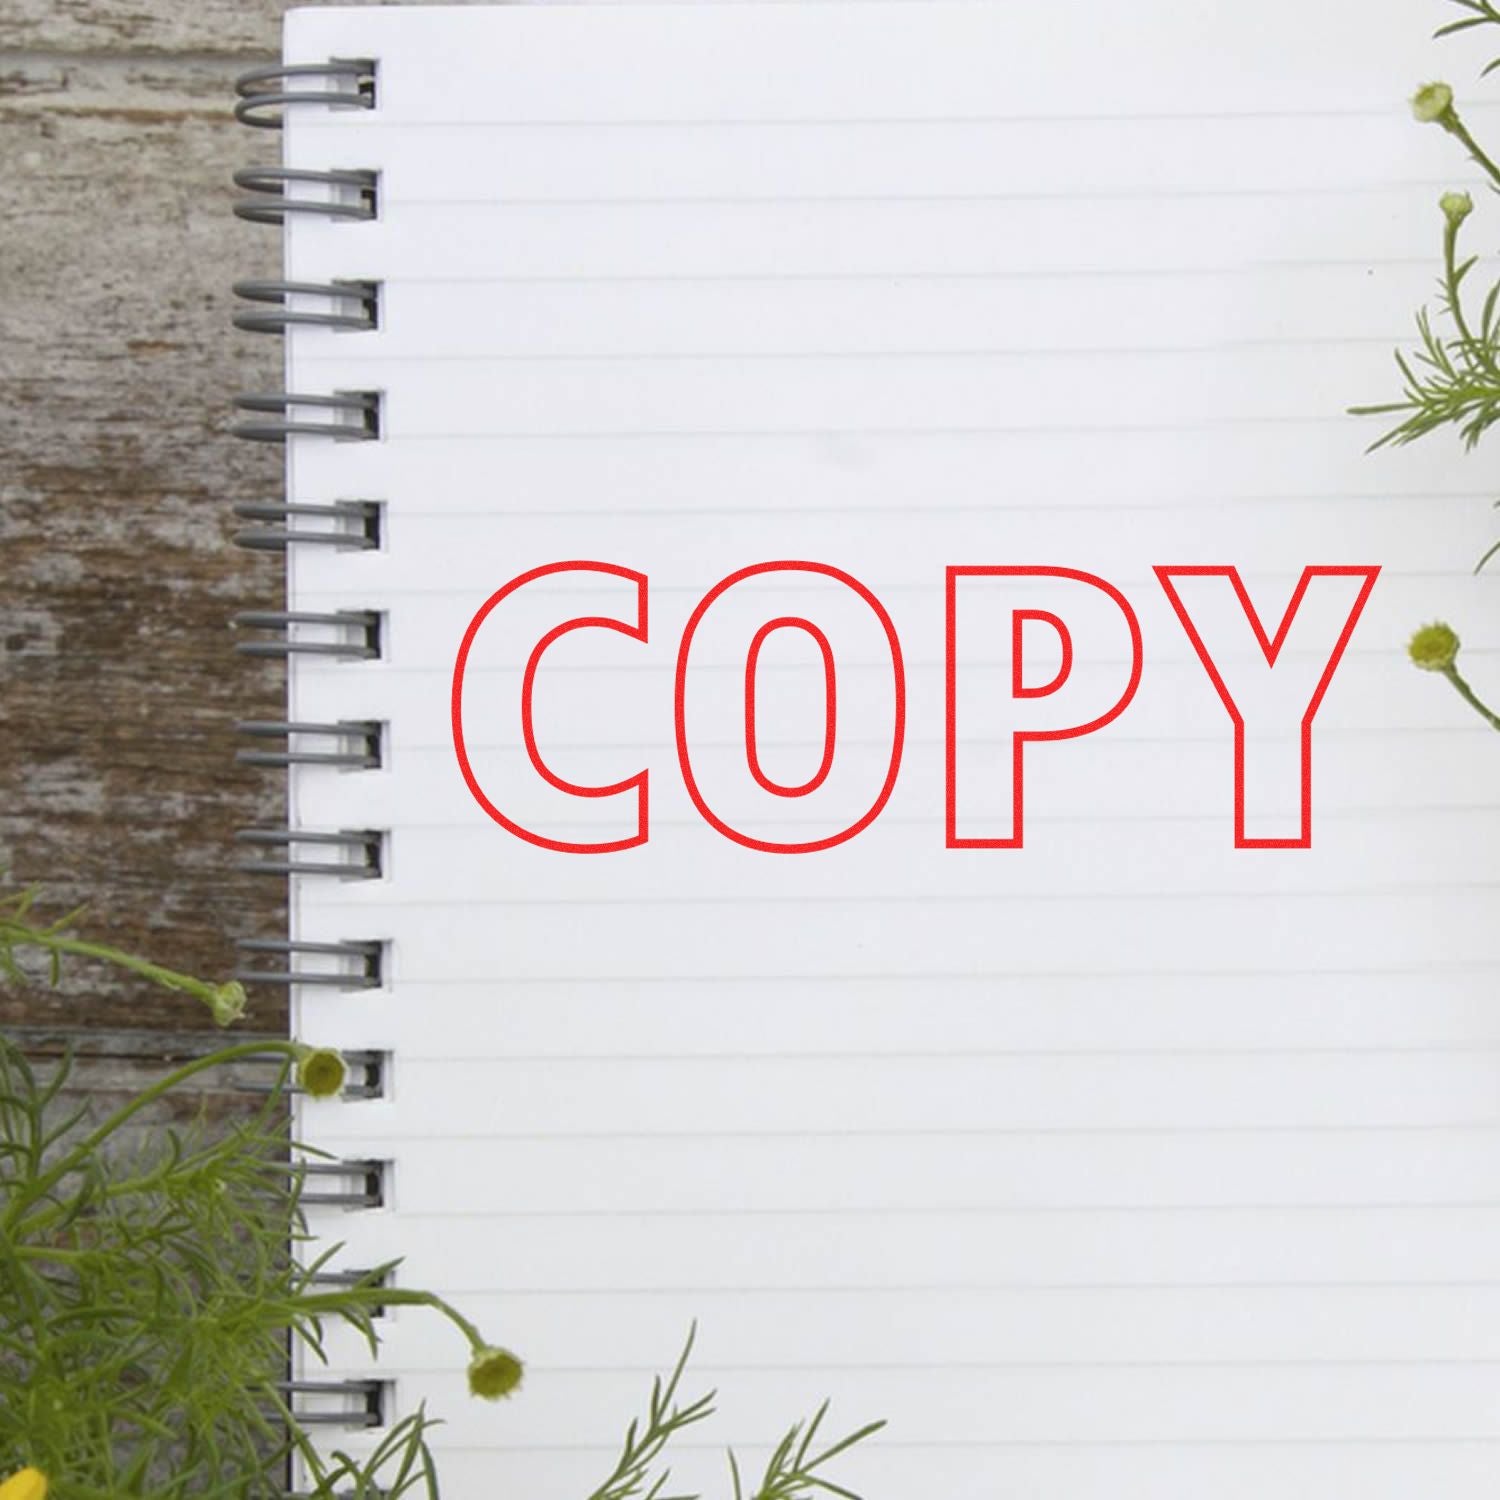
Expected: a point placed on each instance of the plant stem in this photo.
(382, 1296)
(95, 1138)
(19, 935)
(1460, 132)
(1470, 697)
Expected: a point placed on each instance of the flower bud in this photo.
(227, 1002)
(320, 1073)
(28, 1484)
(1456, 207)
(493, 1374)
(1432, 104)
(1434, 648)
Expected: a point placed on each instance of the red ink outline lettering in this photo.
(1271, 649)
(830, 702)
(1018, 618)
(898, 736)
(639, 783)
(1021, 737)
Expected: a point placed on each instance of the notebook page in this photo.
(1125, 1163)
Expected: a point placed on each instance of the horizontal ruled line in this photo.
(955, 1366)
(922, 1211)
(1430, 971)
(1079, 897)
(1403, 189)
(1061, 429)
(956, 1288)
(1194, 507)
(862, 356)
(1062, 1445)
(1107, 1132)
(966, 1054)
(374, 121)
(968, 1210)
(1017, 273)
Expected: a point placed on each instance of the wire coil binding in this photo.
(366, 1396)
(363, 846)
(362, 296)
(361, 962)
(356, 1183)
(365, 1080)
(355, 633)
(356, 416)
(274, 195)
(265, 90)
(348, 193)
(353, 525)
(361, 740)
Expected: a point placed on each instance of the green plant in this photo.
(147, 1296)
(1452, 379)
(147, 1300)
(790, 1473)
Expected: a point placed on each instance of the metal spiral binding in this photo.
(367, 1396)
(355, 416)
(360, 739)
(355, 633)
(264, 90)
(350, 193)
(353, 1184)
(272, 196)
(363, 846)
(360, 960)
(366, 1080)
(363, 296)
(373, 1276)
(353, 525)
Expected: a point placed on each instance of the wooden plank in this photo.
(239, 28)
(117, 362)
(109, 1068)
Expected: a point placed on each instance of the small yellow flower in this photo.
(1432, 104)
(1456, 207)
(321, 1073)
(1434, 648)
(29, 1484)
(493, 1373)
(227, 1002)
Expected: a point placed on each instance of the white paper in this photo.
(1127, 1163)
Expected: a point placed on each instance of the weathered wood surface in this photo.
(117, 782)
(109, 1068)
(132, 28)
(117, 361)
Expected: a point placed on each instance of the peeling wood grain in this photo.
(109, 1068)
(117, 362)
(221, 28)
(226, 28)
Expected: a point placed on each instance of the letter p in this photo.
(1014, 677)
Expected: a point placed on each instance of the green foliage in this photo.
(148, 1296)
(20, 933)
(1478, 13)
(790, 1472)
(148, 1300)
(644, 1442)
(1452, 378)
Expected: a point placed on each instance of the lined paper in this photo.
(1125, 1164)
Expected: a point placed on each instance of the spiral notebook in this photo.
(853, 775)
